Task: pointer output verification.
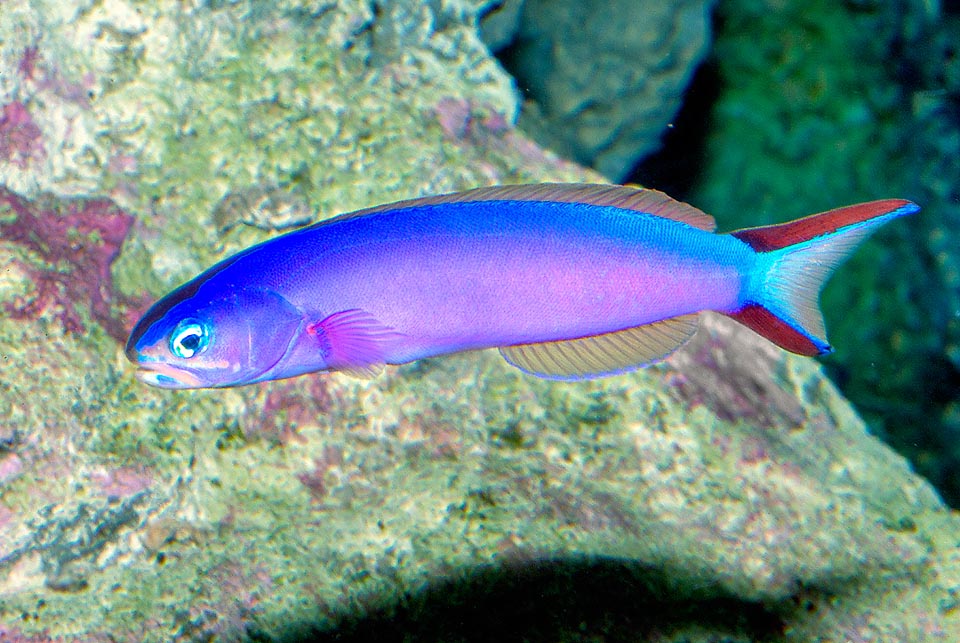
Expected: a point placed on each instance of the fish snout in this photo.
(166, 376)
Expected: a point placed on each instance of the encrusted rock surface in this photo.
(605, 78)
(729, 494)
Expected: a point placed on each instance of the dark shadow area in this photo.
(675, 168)
(509, 56)
(579, 599)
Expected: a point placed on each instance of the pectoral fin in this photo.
(607, 354)
(353, 342)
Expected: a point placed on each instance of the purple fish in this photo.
(568, 281)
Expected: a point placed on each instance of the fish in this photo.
(568, 281)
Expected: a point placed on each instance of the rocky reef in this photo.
(728, 494)
(602, 79)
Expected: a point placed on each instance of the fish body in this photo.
(569, 281)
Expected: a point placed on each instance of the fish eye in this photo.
(189, 338)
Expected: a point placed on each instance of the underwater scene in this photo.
(574, 386)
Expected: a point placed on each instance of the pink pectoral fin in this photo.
(354, 341)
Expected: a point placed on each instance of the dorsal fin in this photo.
(606, 354)
(617, 196)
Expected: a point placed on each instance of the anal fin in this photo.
(606, 354)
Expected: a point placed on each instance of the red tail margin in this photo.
(765, 323)
(781, 235)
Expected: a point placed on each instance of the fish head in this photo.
(229, 337)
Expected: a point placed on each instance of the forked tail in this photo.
(794, 261)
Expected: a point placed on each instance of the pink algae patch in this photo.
(471, 123)
(6, 515)
(20, 137)
(461, 119)
(122, 482)
(286, 409)
(76, 242)
(315, 479)
(10, 467)
(27, 67)
(15, 635)
(123, 164)
(454, 117)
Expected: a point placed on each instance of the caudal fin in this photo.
(794, 261)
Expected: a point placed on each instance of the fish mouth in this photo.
(167, 376)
